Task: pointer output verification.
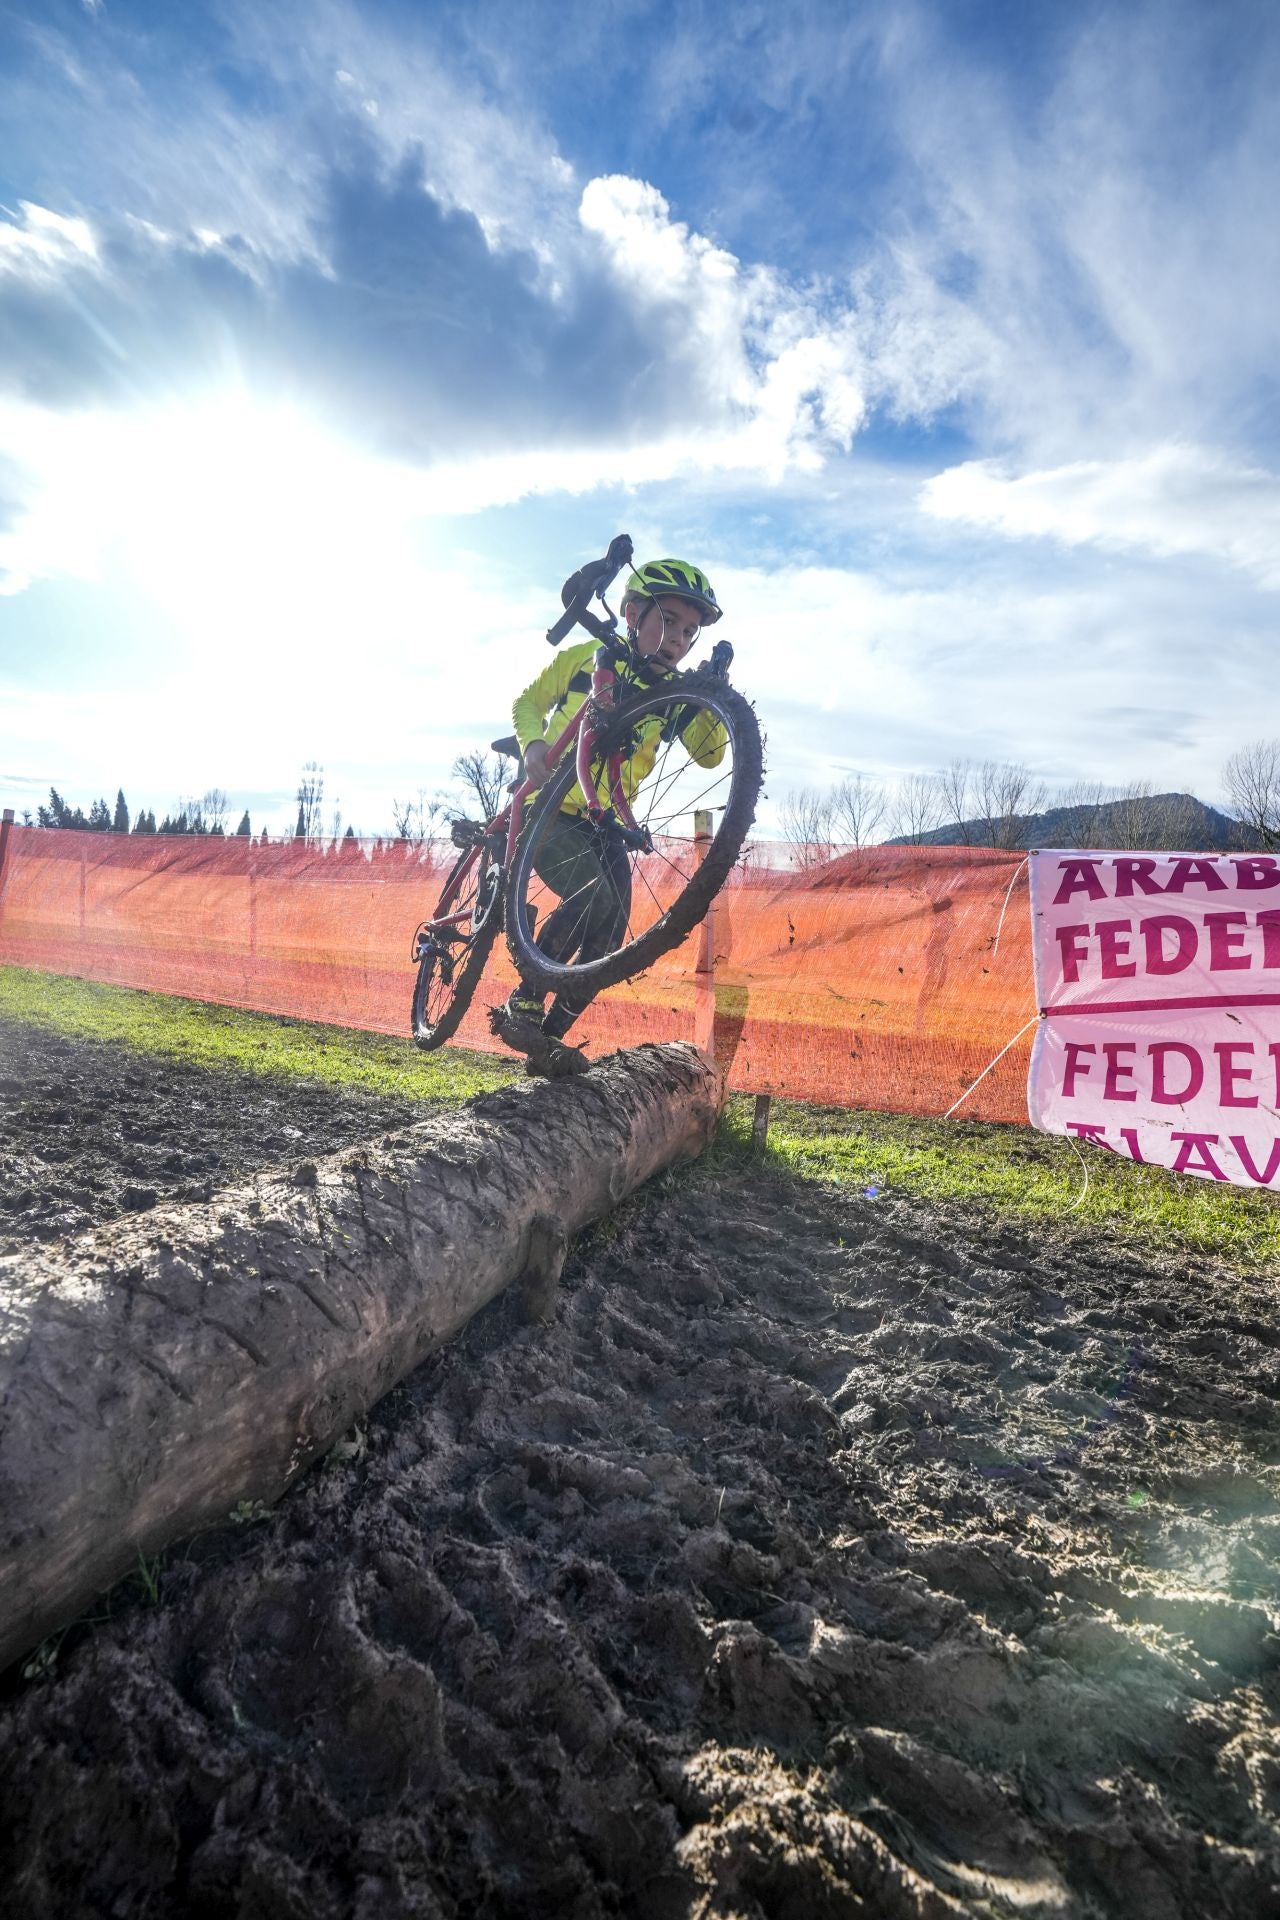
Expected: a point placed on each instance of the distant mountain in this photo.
(1177, 821)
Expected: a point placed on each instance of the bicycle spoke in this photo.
(688, 803)
(686, 807)
(652, 895)
(637, 900)
(659, 764)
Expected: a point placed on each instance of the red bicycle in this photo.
(494, 883)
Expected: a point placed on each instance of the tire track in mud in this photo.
(821, 1550)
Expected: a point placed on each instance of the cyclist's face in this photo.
(669, 629)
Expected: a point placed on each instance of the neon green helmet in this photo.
(675, 576)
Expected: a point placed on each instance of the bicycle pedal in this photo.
(467, 833)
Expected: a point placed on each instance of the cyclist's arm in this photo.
(531, 708)
(705, 738)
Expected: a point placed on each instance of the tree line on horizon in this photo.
(1003, 804)
(205, 816)
(992, 803)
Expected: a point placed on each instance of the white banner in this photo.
(1158, 983)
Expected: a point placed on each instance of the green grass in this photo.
(211, 1036)
(999, 1172)
(1013, 1173)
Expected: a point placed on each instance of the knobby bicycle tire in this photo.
(704, 882)
(431, 1034)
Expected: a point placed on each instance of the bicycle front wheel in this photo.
(453, 947)
(574, 888)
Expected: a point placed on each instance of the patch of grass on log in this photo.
(1016, 1173)
(202, 1034)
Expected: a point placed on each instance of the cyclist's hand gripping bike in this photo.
(706, 755)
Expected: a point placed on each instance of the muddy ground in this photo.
(827, 1554)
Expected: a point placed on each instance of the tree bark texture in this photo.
(158, 1371)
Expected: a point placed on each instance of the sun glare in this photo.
(247, 524)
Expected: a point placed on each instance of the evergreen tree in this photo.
(55, 814)
(99, 817)
(350, 834)
(244, 830)
(120, 824)
(300, 831)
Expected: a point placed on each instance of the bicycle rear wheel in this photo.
(659, 895)
(453, 946)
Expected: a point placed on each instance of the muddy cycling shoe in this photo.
(519, 1022)
(554, 1060)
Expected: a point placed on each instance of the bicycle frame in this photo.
(510, 819)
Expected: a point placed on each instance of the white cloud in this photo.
(771, 381)
(1079, 249)
(1173, 500)
(42, 243)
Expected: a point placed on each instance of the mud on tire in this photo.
(735, 794)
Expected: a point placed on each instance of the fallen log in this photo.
(160, 1370)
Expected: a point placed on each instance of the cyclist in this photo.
(585, 864)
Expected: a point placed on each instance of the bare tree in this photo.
(1251, 779)
(857, 807)
(954, 784)
(482, 777)
(213, 809)
(188, 817)
(807, 822)
(1004, 794)
(415, 820)
(1081, 806)
(1175, 822)
(1129, 817)
(916, 810)
(310, 825)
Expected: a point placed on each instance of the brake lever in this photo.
(621, 551)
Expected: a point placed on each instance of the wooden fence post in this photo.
(704, 1002)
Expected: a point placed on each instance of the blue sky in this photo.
(332, 336)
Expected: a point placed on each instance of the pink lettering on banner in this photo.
(1131, 874)
(1113, 944)
(1265, 1175)
(1080, 876)
(1229, 1073)
(1073, 947)
(1261, 871)
(1226, 938)
(1183, 932)
(1161, 1091)
(1163, 1010)
(1203, 872)
(1117, 1070)
(1197, 1143)
(1074, 1069)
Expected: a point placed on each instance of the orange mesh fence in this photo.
(870, 980)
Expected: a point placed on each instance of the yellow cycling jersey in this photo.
(544, 710)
